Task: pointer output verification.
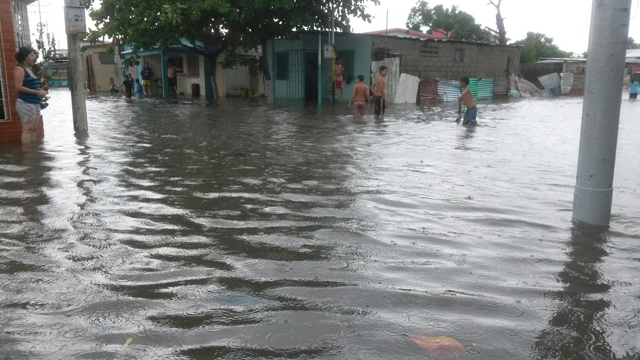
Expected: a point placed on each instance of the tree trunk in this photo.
(502, 32)
(213, 69)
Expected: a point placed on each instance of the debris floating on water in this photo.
(441, 346)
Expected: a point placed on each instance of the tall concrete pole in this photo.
(601, 111)
(76, 85)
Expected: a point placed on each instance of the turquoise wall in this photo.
(359, 44)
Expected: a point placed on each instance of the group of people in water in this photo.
(133, 87)
(361, 96)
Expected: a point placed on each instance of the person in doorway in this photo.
(467, 98)
(633, 85)
(128, 86)
(339, 79)
(29, 94)
(112, 87)
(361, 96)
(146, 74)
(379, 90)
(171, 74)
(138, 89)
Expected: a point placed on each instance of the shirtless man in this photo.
(361, 95)
(379, 90)
(171, 74)
(467, 98)
(339, 72)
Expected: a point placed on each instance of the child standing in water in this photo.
(361, 96)
(379, 90)
(112, 87)
(467, 98)
(633, 85)
(138, 89)
(339, 78)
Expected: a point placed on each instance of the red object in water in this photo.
(441, 346)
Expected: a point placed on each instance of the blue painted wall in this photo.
(358, 43)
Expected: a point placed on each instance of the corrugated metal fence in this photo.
(485, 88)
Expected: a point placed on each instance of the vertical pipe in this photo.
(164, 63)
(273, 74)
(319, 68)
(601, 111)
(386, 36)
(76, 85)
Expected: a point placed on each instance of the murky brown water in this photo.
(245, 232)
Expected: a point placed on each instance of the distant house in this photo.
(14, 33)
(633, 61)
(295, 71)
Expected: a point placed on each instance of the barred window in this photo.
(282, 66)
(429, 51)
(459, 56)
(348, 64)
(193, 65)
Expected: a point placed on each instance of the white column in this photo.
(601, 111)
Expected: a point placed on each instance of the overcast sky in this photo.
(566, 21)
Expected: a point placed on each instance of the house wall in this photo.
(10, 128)
(417, 57)
(101, 73)
(359, 44)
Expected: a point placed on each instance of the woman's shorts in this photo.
(27, 111)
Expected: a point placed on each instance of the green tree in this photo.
(453, 23)
(537, 45)
(631, 44)
(212, 27)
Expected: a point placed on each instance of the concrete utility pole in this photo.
(75, 25)
(601, 111)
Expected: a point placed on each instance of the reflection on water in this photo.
(240, 230)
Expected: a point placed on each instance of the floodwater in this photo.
(181, 230)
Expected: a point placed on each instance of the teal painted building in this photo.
(293, 65)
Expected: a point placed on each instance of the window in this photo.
(459, 57)
(21, 24)
(282, 66)
(177, 61)
(429, 51)
(4, 109)
(106, 59)
(193, 65)
(348, 64)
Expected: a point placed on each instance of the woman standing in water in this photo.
(29, 94)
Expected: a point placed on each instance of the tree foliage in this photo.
(537, 45)
(631, 44)
(453, 23)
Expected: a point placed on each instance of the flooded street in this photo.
(181, 230)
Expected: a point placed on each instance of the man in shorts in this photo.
(146, 74)
(339, 79)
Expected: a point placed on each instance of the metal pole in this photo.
(76, 84)
(319, 68)
(386, 36)
(601, 111)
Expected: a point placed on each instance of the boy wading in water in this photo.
(379, 90)
(361, 96)
(633, 85)
(467, 98)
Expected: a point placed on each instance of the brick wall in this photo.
(12, 129)
(436, 59)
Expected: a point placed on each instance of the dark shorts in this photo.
(470, 116)
(379, 106)
(633, 96)
(173, 82)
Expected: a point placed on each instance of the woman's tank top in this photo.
(30, 83)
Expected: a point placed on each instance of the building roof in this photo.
(412, 32)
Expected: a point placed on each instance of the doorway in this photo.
(311, 76)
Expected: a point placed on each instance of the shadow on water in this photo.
(578, 328)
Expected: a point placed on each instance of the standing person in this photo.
(29, 94)
(339, 79)
(361, 96)
(146, 74)
(128, 86)
(112, 86)
(467, 98)
(379, 90)
(138, 89)
(171, 74)
(633, 85)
